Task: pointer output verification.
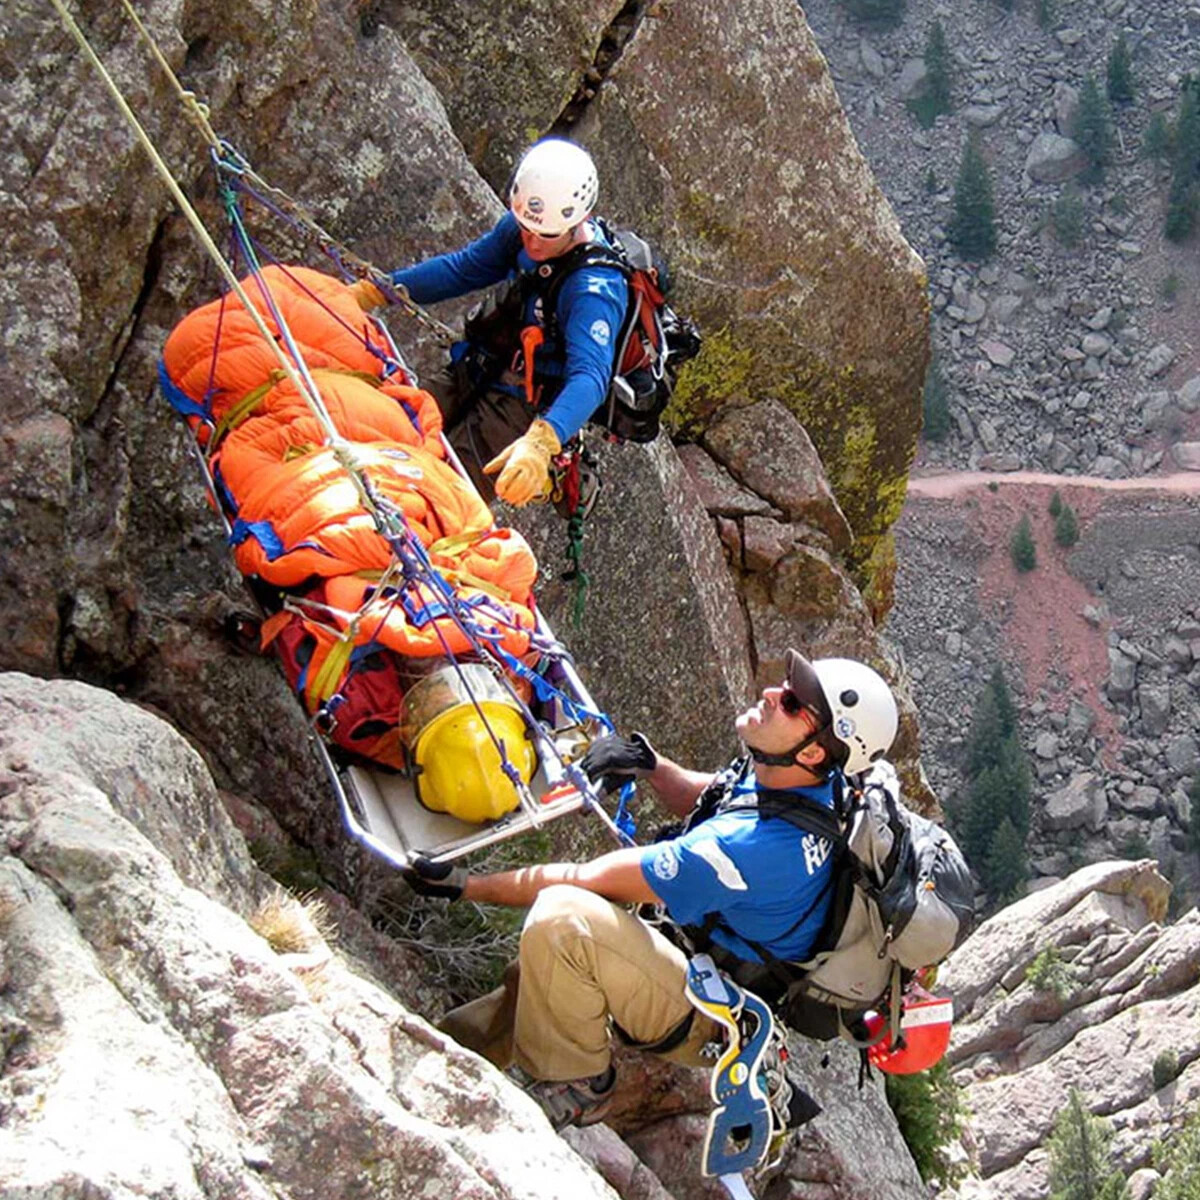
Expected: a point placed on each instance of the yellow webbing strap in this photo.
(237, 413)
(455, 543)
(324, 682)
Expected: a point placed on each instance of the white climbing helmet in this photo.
(554, 187)
(860, 706)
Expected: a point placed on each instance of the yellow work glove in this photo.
(367, 294)
(525, 465)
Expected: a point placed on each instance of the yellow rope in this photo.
(197, 110)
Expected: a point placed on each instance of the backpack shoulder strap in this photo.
(803, 812)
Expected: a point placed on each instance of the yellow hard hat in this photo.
(452, 721)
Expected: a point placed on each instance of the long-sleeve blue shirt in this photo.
(590, 309)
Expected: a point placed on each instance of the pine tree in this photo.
(1016, 778)
(1179, 1161)
(999, 793)
(1005, 867)
(1079, 1155)
(1056, 504)
(936, 407)
(929, 1111)
(997, 684)
(1156, 141)
(983, 812)
(1093, 129)
(993, 722)
(1021, 547)
(1067, 216)
(936, 100)
(1120, 73)
(1182, 200)
(973, 228)
(1045, 14)
(1066, 527)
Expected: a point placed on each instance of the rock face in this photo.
(790, 260)
(1126, 991)
(153, 1038)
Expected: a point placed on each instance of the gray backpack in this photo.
(903, 899)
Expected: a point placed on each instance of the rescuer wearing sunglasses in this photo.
(746, 879)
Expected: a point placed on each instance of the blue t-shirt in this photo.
(590, 309)
(761, 874)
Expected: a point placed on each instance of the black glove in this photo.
(442, 881)
(618, 760)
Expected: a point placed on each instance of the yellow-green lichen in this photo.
(721, 372)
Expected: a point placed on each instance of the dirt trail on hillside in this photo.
(1040, 613)
(954, 483)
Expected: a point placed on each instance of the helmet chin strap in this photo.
(788, 757)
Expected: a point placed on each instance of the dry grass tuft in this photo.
(292, 924)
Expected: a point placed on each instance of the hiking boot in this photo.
(571, 1101)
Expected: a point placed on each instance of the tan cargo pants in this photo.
(583, 960)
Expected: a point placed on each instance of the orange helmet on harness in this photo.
(924, 1036)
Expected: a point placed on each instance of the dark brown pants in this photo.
(477, 429)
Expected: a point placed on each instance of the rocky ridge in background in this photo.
(1124, 987)
(1076, 360)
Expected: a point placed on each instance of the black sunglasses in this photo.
(791, 703)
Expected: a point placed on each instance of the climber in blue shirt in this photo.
(525, 380)
(740, 870)
(768, 879)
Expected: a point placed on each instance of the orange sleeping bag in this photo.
(298, 520)
(216, 355)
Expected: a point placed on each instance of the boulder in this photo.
(983, 116)
(1143, 801)
(1158, 360)
(1052, 158)
(1182, 754)
(818, 302)
(913, 81)
(1080, 718)
(768, 451)
(162, 1040)
(1081, 804)
(1188, 396)
(718, 491)
(1187, 455)
(1155, 703)
(998, 353)
(1066, 105)
(1122, 674)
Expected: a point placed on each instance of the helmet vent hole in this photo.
(849, 697)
